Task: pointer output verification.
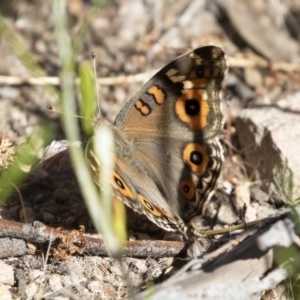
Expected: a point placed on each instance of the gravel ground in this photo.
(134, 38)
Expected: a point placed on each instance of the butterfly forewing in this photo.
(168, 156)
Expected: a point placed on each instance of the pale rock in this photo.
(5, 293)
(6, 274)
(270, 141)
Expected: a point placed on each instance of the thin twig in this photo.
(48, 80)
(40, 234)
(142, 77)
(259, 62)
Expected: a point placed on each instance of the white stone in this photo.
(6, 274)
(269, 139)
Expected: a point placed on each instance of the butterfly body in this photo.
(168, 156)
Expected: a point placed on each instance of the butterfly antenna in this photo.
(51, 108)
(96, 83)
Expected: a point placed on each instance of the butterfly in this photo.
(168, 155)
